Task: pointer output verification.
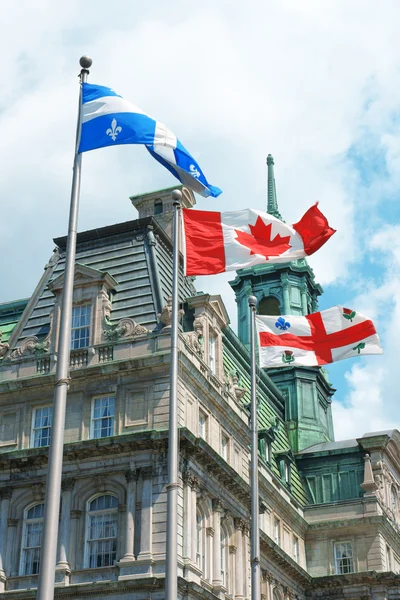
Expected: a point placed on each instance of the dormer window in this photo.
(158, 207)
(285, 461)
(212, 353)
(80, 333)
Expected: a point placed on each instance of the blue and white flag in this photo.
(108, 120)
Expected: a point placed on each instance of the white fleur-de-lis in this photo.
(114, 131)
(194, 171)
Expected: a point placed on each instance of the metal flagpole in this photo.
(48, 553)
(171, 566)
(255, 509)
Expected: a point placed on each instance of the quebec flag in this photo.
(107, 119)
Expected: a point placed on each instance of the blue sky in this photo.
(313, 83)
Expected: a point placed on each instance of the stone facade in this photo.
(329, 513)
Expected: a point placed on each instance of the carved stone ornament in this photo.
(195, 338)
(105, 304)
(165, 316)
(234, 387)
(31, 346)
(3, 346)
(124, 328)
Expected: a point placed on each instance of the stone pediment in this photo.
(213, 302)
(84, 275)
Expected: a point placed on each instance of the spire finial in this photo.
(272, 202)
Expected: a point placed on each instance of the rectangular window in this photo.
(103, 417)
(388, 559)
(277, 531)
(41, 427)
(343, 558)
(80, 327)
(212, 344)
(224, 447)
(202, 425)
(295, 549)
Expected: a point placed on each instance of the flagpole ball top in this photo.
(176, 195)
(85, 62)
(252, 301)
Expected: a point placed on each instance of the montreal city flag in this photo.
(216, 242)
(316, 339)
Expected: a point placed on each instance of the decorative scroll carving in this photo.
(105, 304)
(3, 346)
(124, 328)
(165, 316)
(31, 346)
(233, 386)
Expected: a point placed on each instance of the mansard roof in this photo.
(138, 271)
(10, 314)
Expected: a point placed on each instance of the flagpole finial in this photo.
(85, 62)
(176, 196)
(252, 301)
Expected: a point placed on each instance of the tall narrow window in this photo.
(295, 549)
(202, 425)
(277, 531)
(224, 558)
(199, 542)
(41, 426)
(212, 344)
(343, 558)
(31, 540)
(103, 417)
(388, 559)
(101, 536)
(80, 332)
(393, 500)
(224, 447)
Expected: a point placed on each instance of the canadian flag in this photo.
(317, 339)
(216, 242)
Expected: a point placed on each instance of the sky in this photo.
(316, 84)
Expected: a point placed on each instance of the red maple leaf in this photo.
(260, 241)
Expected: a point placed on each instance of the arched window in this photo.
(31, 540)
(269, 306)
(101, 528)
(200, 541)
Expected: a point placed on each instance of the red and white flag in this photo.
(216, 242)
(317, 339)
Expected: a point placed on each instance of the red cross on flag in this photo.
(216, 242)
(316, 339)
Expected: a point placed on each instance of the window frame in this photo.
(81, 327)
(93, 419)
(200, 542)
(88, 541)
(34, 429)
(24, 548)
(276, 529)
(225, 448)
(201, 412)
(212, 352)
(337, 558)
(295, 545)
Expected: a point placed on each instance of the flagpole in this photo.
(255, 507)
(171, 565)
(48, 552)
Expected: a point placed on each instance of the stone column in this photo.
(11, 564)
(5, 497)
(231, 581)
(217, 509)
(75, 516)
(304, 306)
(285, 294)
(146, 516)
(131, 481)
(239, 526)
(67, 486)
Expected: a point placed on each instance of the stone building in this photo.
(330, 510)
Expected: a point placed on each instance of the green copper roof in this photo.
(272, 201)
(10, 313)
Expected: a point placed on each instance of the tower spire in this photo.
(272, 202)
